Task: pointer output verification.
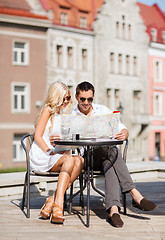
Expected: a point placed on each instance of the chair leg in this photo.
(70, 202)
(124, 203)
(24, 192)
(65, 204)
(28, 195)
(81, 193)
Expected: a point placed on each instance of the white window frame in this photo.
(64, 18)
(19, 52)
(153, 34)
(112, 59)
(160, 70)
(59, 55)
(70, 57)
(25, 94)
(158, 111)
(20, 155)
(83, 22)
(84, 59)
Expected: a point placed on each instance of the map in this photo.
(96, 126)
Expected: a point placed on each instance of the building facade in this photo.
(72, 41)
(23, 38)
(121, 63)
(156, 79)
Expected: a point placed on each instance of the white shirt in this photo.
(98, 109)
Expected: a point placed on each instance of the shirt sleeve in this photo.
(121, 126)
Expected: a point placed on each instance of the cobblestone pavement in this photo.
(138, 225)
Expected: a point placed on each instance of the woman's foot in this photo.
(57, 214)
(47, 207)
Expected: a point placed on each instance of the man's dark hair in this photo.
(84, 86)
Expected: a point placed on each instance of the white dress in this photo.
(40, 161)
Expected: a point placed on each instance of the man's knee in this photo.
(112, 153)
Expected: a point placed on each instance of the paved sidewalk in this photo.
(138, 225)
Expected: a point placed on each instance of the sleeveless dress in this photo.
(40, 161)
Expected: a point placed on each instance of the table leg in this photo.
(92, 179)
(88, 185)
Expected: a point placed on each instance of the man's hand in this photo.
(52, 138)
(122, 135)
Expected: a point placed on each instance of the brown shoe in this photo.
(47, 207)
(57, 214)
(115, 220)
(145, 205)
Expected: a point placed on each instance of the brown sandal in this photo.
(47, 207)
(57, 214)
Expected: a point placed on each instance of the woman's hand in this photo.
(52, 138)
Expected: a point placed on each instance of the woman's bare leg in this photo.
(69, 167)
(78, 166)
(65, 166)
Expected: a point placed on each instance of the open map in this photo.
(91, 126)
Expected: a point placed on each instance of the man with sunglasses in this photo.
(109, 159)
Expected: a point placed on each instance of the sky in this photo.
(160, 3)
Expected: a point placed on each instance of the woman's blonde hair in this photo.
(54, 99)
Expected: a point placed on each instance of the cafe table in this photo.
(88, 144)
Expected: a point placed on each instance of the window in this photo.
(127, 64)
(163, 36)
(134, 65)
(64, 18)
(71, 90)
(153, 34)
(108, 96)
(120, 63)
(20, 97)
(136, 100)
(129, 32)
(112, 62)
(123, 30)
(18, 152)
(83, 22)
(117, 29)
(20, 53)
(84, 59)
(70, 57)
(59, 55)
(117, 97)
(157, 144)
(157, 104)
(158, 71)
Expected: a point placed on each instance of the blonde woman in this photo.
(42, 156)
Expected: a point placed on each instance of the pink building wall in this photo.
(157, 121)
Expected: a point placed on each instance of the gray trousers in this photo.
(109, 159)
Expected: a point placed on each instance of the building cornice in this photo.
(157, 45)
(71, 29)
(25, 21)
(18, 125)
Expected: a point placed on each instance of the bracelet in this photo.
(48, 152)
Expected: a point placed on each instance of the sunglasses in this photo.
(90, 100)
(67, 98)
